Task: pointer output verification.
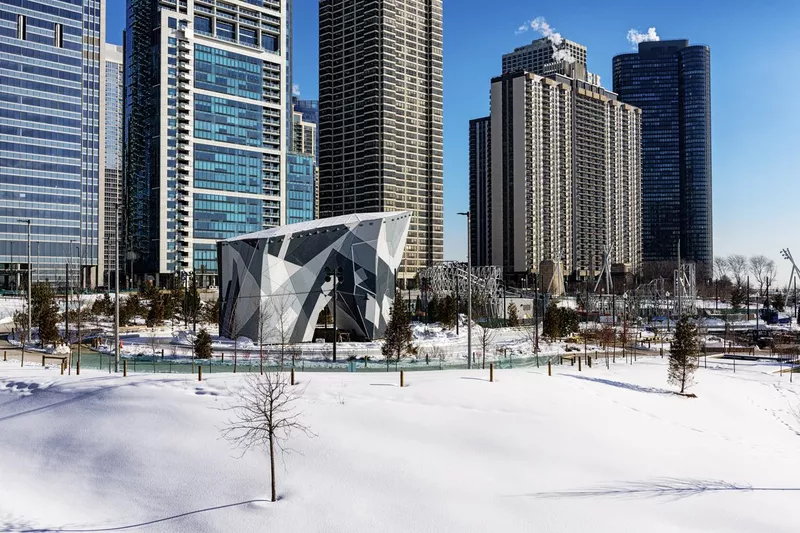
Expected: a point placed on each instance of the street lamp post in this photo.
(116, 288)
(28, 334)
(469, 292)
(335, 274)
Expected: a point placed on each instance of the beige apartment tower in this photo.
(565, 185)
(380, 116)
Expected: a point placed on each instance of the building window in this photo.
(226, 31)
(202, 24)
(270, 43)
(22, 27)
(247, 36)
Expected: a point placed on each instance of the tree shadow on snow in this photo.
(23, 528)
(622, 385)
(659, 488)
(72, 399)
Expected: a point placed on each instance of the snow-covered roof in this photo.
(289, 229)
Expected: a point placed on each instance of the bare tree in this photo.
(737, 266)
(486, 337)
(721, 267)
(265, 417)
(235, 329)
(152, 340)
(264, 330)
(763, 270)
(531, 334)
(282, 309)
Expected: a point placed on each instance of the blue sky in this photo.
(755, 76)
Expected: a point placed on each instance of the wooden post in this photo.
(491, 372)
(124, 368)
(4, 356)
(199, 372)
(402, 379)
(292, 376)
(572, 361)
(78, 367)
(589, 360)
(549, 369)
(42, 361)
(62, 367)
(579, 364)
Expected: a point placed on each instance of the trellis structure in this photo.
(452, 277)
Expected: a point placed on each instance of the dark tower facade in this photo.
(480, 169)
(380, 117)
(670, 81)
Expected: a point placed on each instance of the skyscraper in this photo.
(380, 109)
(671, 82)
(304, 137)
(112, 164)
(541, 53)
(564, 177)
(545, 56)
(50, 149)
(205, 129)
(480, 191)
(300, 186)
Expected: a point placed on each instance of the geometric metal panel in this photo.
(282, 271)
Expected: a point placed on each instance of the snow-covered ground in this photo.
(601, 450)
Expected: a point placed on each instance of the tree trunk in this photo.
(683, 376)
(235, 348)
(272, 465)
(261, 357)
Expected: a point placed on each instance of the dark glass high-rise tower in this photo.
(670, 82)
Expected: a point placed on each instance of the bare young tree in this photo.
(763, 270)
(264, 330)
(721, 267)
(530, 333)
(152, 341)
(235, 330)
(737, 266)
(486, 337)
(265, 416)
(282, 309)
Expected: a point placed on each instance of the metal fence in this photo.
(225, 364)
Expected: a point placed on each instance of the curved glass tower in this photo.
(670, 81)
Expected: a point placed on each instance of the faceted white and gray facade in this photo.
(205, 129)
(281, 275)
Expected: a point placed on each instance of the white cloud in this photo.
(635, 37)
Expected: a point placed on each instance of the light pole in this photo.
(334, 274)
(116, 288)
(28, 334)
(469, 292)
(786, 254)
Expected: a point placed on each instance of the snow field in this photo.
(449, 452)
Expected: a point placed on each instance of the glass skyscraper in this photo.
(50, 149)
(300, 187)
(112, 168)
(205, 112)
(671, 82)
